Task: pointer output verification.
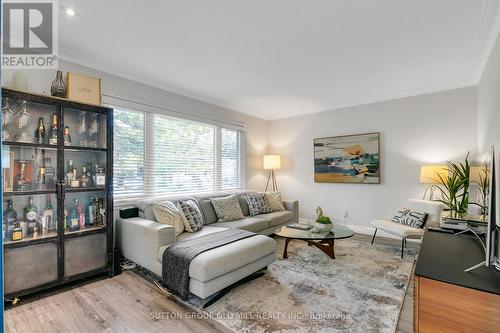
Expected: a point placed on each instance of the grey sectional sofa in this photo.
(143, 240)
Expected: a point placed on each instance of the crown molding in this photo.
(387, 98)
(485, 35)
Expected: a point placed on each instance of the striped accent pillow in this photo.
(191, 214)
(411, 218)
(275, 201)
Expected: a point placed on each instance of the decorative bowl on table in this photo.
(323, 227)
(323, 223)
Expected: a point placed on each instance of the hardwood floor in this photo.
(129, 303)
(125, 303)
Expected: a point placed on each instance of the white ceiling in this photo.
(279, 58)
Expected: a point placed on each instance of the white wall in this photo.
(488, 102)
(39, 81)
(414, 131)
(488, 108)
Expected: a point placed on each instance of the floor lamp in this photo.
(271, 163)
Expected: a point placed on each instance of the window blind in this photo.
(160, 154)
(128, 151)
(230, 159)
(184, 153)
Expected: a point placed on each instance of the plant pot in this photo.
(323, 227)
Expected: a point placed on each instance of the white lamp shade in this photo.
(272, 162)
(429, 174)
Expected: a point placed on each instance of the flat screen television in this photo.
(492, 234)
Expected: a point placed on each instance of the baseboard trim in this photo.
(370, 230)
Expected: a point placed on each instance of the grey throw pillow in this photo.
(227, 208)
(411, 218)
(257, 204)
(193, 219)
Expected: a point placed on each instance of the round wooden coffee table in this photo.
(323, 240)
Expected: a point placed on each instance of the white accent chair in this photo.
(434, 209)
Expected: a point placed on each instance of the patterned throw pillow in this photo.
(275, 201)
(411, 218)
(191, 214)
(257, 204)
(227, 208)
(167, 213)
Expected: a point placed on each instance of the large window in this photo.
(158, 154)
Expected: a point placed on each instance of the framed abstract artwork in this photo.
(347, 159)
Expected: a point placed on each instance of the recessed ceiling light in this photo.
(69, 11)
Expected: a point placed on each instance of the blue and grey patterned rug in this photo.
(360, 291)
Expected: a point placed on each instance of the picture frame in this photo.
(84, 89)
(353, 159)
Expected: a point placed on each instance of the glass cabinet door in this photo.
(29, 170)
(85, 171)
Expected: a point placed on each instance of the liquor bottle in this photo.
(31, 215)
(84, 177)
(48, 217)
(22, 183)
(53, 130)
(67, 136)
(81, 213)
(90, 212)
(69, 173)
(74, 180)
(90, 174)
(9, 219)
(41, 178)
(73, 219)
(100, 177)
(98, 207)
(50, 173)
(40, 131)
(94, 180)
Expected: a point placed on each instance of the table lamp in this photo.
(429, 174)
(477, 174)
(271, 163)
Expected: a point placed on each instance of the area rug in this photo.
(362, 290)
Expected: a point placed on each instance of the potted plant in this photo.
(323, 223)
(455, 188)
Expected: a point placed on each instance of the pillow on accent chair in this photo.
(275, 202)
(227, 208)
(167, 213)
(411, 218)
(257, 204)
(191, 215)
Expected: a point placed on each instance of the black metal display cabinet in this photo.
(57, 168)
